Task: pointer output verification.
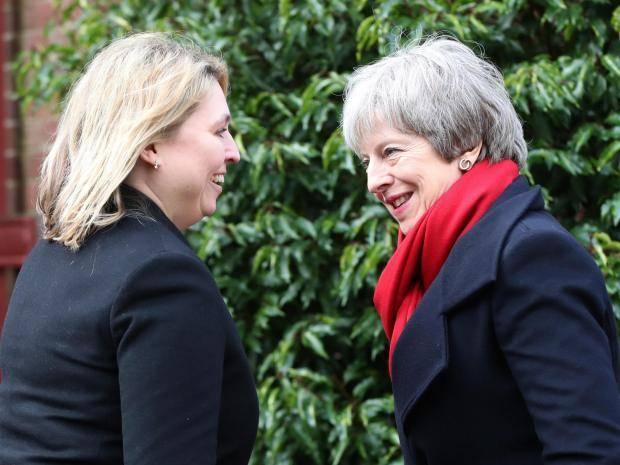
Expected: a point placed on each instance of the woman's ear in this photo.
(149, 155)
(473, 154)
(469, 158)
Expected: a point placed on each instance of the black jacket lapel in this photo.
(422, 350)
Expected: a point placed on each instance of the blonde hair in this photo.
(135, 92)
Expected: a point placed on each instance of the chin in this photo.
(407, 226)
(208, 210)
(206, 205)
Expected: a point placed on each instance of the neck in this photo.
(140, 184)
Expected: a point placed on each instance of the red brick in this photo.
(41, 112)
(11, 198)
(45, 124)
(10, 164)
(31, 195)
(32, 39)
(8, 133)
(38, 131)
(33, 165)
(36, 13)
(11, 111)
(35, 144)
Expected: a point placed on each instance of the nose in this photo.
(378, 178)
(231, 151)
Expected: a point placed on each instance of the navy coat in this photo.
(511, 357)
(123, 353)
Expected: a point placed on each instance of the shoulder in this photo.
(169, 269)
(131, 254)
(539, 239)
(518, 228)
(153, 257)
(542, 263)
(117, 252)
(170, 291)
(141, 234)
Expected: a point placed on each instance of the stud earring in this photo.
(465, 164)
(156, 165)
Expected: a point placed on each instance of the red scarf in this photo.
(420, 255)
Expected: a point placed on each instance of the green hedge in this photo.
(297, 243)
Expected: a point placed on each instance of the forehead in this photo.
(213, 105)
(381, 134)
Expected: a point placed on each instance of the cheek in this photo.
(447, 183)
(431, 189)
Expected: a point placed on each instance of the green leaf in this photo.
(296, 244)
(310, 339)
(607, 154)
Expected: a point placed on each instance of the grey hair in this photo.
(439, 89)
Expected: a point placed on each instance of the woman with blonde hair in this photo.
(502, 340)
(118, 347)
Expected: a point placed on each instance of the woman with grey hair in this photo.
(502, 340)
(118, 347)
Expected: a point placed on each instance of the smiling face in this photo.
(405, 173)
(192, 163)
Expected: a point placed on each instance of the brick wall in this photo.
(8, 114)
(28, 133)
(24, 139)
(36, 126)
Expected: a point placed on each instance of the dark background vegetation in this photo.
(297, 244)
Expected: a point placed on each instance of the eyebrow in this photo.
(383, 143)
(379, 147)
(224, 119)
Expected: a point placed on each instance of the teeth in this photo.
(400, 200)
(218, 179)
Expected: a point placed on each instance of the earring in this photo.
(156, 165)
(465, 164)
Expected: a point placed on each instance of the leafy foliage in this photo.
(297, 244)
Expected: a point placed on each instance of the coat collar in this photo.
(484, 244)
(420, 356)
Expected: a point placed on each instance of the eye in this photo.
(221, 132)
(364, 162)
(390, 152)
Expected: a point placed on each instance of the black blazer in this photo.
(123, 353)
(511, 357)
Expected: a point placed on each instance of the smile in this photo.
(218, 179)
(397, 200)
(400, 200)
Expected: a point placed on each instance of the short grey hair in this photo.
(439, 89)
